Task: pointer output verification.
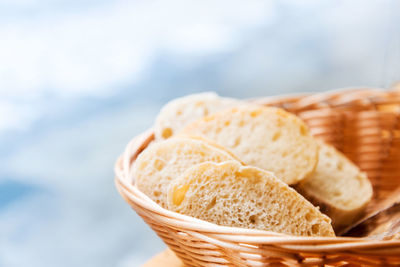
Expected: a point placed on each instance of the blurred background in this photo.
(79, 79)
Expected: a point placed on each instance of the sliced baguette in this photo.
(163, 161)
(231, 194)
(177, 113)
(338, 186)
(265, 137)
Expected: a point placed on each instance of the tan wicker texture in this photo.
(363, 123)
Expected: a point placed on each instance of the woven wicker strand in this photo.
(362, 123)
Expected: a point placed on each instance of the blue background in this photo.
(79, 79)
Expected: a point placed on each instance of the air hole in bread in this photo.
(329, 154)
(199, 104)
(253, 219)
(282, 113)
(157, 193)
(143, 165)
(309, 217)
(179, 194)
(166, 133)
(212, 203)
(303, 130)
(339, 166)
(279, 122)
(255, 113)
(315, 228)
(159, 164)
(360, 179)
(337, 193)
(276, 136)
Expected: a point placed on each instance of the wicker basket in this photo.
(363, 123)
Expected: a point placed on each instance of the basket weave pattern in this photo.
(363, 123)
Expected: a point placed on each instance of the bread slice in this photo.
(337, 186)
(265, 137)
(163, 161)
(177, 113)
(231, 194)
